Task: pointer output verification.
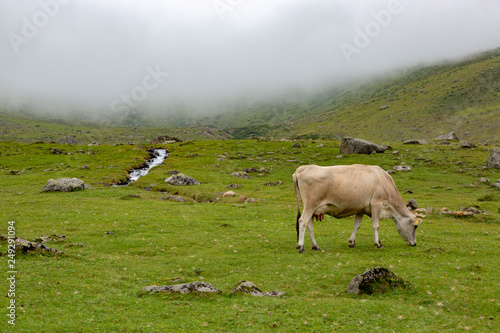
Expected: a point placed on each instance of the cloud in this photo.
(89, 53)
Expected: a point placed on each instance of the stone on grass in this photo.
(248, 287)
(412, 204)
(185, 288)
(415, 142)
(402, 168)
(242, 175)
(360, 146)
(375, 281)
(174, 198)
(26, 246)
(65, 185)
(180, 179)
(229, 194)
(448, 136)
(467, 144)
(494, 159)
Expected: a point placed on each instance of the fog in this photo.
(105, 56)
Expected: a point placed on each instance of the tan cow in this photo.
(346, 190)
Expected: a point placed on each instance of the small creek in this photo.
(157, 158)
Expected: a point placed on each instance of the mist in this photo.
(106, 57)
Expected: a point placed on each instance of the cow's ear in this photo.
(417, 222)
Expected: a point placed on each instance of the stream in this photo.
(157, 158)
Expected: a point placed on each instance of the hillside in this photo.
(419, 103)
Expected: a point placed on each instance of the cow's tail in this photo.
(297, 197)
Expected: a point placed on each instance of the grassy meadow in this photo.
(121, 239)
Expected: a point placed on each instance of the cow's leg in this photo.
(310, 229)
(376, 225)
(357, 223)
(304, 221)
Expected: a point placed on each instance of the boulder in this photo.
(467, 144)
(242, 175)
(26, 246)
(65, 185)
(412, 204)
(360, 146)
(448, 136)
(494, 159)
(376, 280)
(185, 288)
(180, 179)
(248, 287)
(415, 142)
(402, 168)
(229, 194)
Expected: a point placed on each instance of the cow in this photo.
(346, 190)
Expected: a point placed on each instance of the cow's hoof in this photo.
(352, 245)
(380, 246)
(316, 248)
(301, 250)
(297, 247)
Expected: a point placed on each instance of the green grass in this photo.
(142, 241)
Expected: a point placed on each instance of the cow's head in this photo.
(406, 227)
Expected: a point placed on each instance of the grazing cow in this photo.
(346, 190)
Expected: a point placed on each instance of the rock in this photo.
(250, 200)
(249, 170)
(262, 169)
(484, 180)
(185, 288)
(248, 287)
(415, 142)
(375, 280)
(65, 185)
(360, 146)
(429, 210)
(229, 194)
(402, 168)
(274, 183)
(56, 151)
(242, 175)
(242, 198)
(296, 145)
(174, 198)
(494, 159)
(173, 172)
(25, 246)
(448, 136)
(390, 171)
(412, 204)
(51, 238)
(162, 139)
(85, 167)
(467, 144)
(233, 186)
(496, 185)
(338, 156)
(383, 107)
(180, 179)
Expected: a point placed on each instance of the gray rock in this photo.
(185, 288)
(242, 175)
(248, 287)
(412, 204)
(174, 198)
(233, 186)
(415, 142)
(494, 159)
(360, 146)
(180, 179)
(296, 145)
(448, 136)
(402, 168)
(26, 246)
(56, 151)
(467, 144)
(375, 280)
(65, 185)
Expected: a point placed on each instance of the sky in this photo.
(108, 56)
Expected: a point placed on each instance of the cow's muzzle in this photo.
(411, 244)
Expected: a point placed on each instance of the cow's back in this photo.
(345, 188)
